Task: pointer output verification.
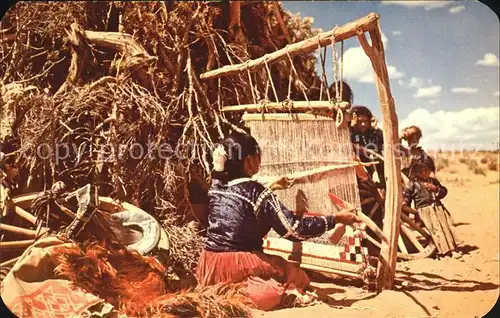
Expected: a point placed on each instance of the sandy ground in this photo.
(465, 287)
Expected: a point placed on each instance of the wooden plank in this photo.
(341, 33)
(10, 261)
(13, 245)
(25, 215)
(304, 175)
(284, 117)
(412, 237)
(296, 105)
(401, 245)
(414, 225)
(17, 230)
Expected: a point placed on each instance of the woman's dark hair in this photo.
(361, 111)
(417, 168)
(347, 95)
(419, 131)
(238, 146)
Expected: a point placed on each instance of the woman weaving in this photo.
(241, 213)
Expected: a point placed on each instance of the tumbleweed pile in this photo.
(109, 93)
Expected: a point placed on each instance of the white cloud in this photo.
(453, 129)
(394, 73)
(457, 9)
(413, 82)
(431, 91)
(396, 32)
(416, 82)
(489, 59)
(433, 101)
(497, 93)
(385, 40)
(427, 5)
(357, 65)
(465, 90)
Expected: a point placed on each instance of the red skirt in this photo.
(264, 277)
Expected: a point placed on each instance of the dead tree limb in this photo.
(279, 17)
(79, 55)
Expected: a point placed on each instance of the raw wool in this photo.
(134, 285)
(125, 279)
(223, 300)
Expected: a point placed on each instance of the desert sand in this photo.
(446, 287)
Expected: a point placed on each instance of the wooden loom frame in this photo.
(370, 23)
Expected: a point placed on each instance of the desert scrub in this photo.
(463, 160)
(442, 163)
(493, 166)
(479, 170)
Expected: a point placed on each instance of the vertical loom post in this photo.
(388, 252)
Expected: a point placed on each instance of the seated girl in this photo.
(241, 213)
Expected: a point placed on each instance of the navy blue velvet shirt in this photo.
(243, 211)
(415, 191)
(373, 139)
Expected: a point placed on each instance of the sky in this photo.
(443, 63)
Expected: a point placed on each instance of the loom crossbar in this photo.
(340, 33)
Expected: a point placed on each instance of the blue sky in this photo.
(442, 58)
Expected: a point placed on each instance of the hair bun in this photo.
(219, 158)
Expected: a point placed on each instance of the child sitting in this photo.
(426, 193)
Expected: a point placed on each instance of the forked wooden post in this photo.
(369, 23)
(388, 252)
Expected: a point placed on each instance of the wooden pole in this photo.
(298, 105)
(25, 215)
(17, 230)
(10, 261)
(388, 252)
(307, 46)
(13, 245)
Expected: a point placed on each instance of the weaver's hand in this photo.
(430, 187)
(282, 183)
(347, 217)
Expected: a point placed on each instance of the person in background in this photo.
(345, 91)
(241, 213)
(414, 153)
(365, 136)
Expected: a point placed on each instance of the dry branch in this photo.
(116, 90)
(307, 46)
(79, 53)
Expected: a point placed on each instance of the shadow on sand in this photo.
(436, 282)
